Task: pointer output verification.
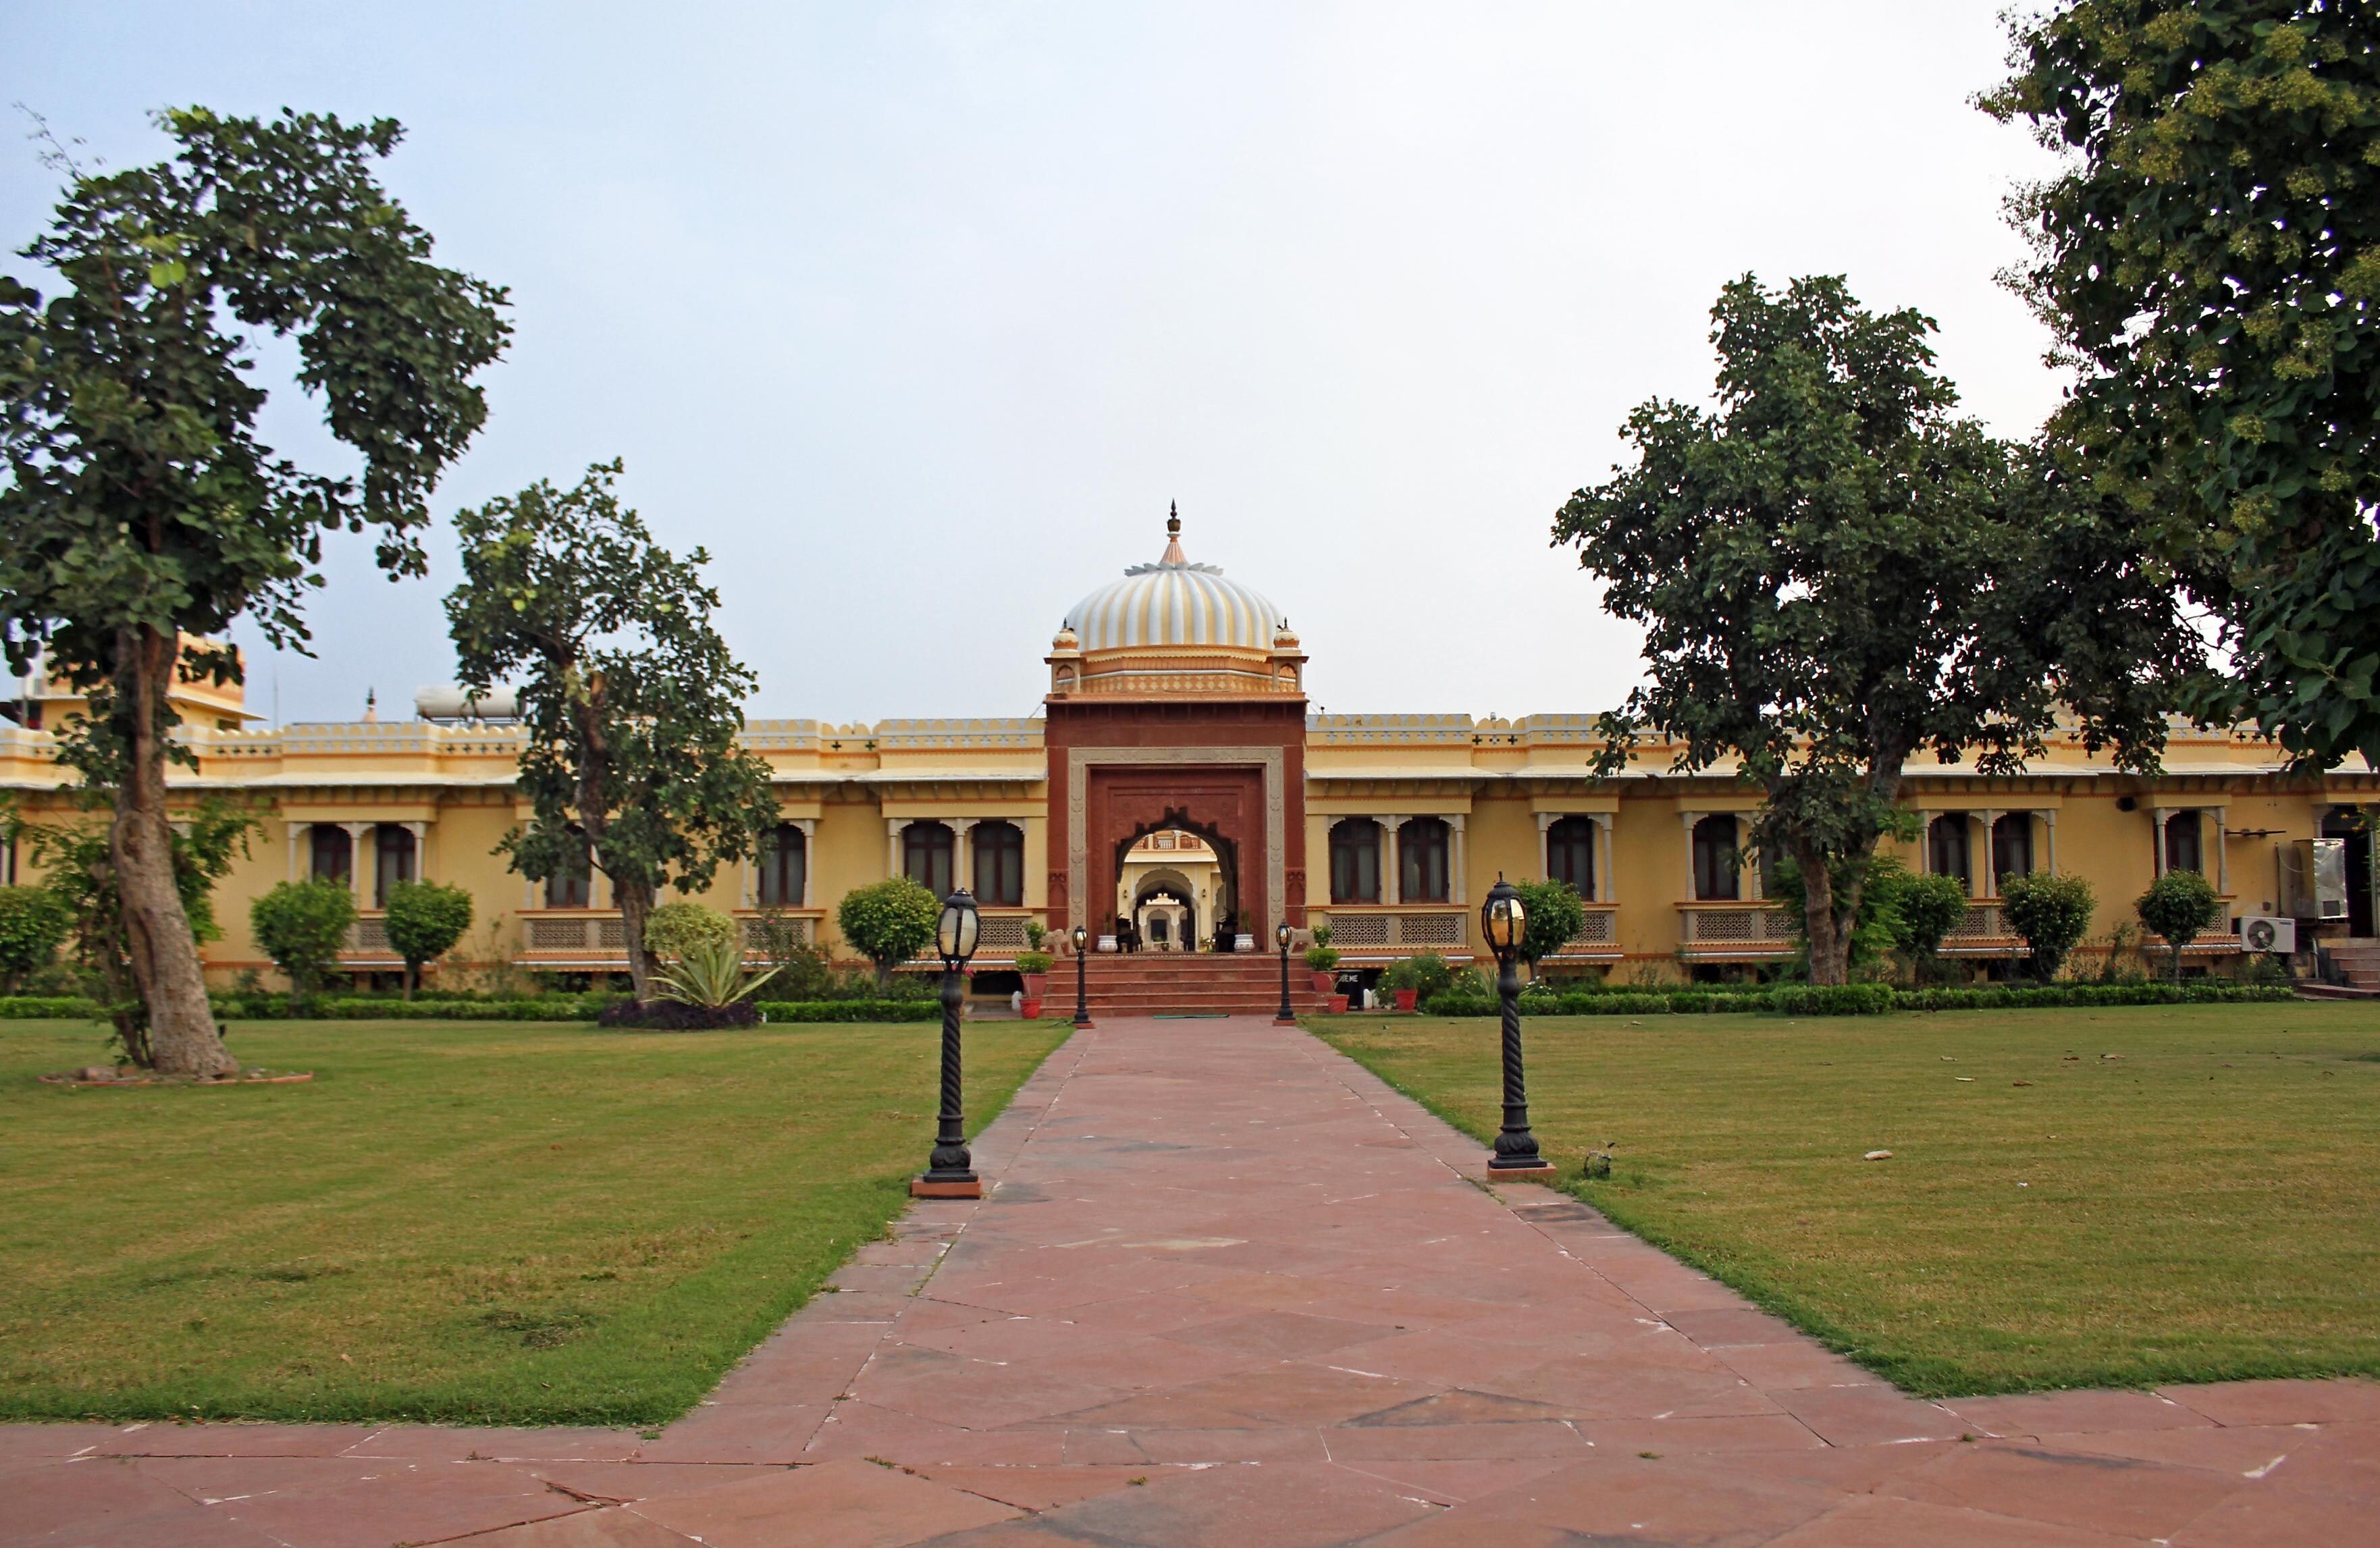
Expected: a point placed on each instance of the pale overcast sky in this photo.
(917, 315)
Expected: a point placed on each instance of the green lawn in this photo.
(2204, 1206)
(486, 1221)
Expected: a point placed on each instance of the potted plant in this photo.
(1035, 966)
(1322, 960)
(1337, 1005)
(1035, 933)
(1402, 981)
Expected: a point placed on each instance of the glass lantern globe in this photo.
(955, 932)
(1502, 919)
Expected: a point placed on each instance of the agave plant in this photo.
(710, 975)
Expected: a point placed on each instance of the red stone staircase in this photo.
(1181, 984)
(2358, 960)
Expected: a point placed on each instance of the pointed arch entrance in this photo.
(1224, 903)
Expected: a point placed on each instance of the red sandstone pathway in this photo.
(1231, 1290)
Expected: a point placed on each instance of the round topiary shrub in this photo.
(672, 930)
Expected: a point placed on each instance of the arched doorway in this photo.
(1164, 905)
(1223, 907)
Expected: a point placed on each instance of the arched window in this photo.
(2012, 846)
(568, 888)
(1946, 849)
(1569, 855)
(334, 853)
(1422, 844)
(785, 867)
(999, 864)
(1718, 875)
(926, 851)
(1356, 861)
(2182, 851)
(392, 860)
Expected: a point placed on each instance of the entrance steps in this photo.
(2358, 960)
(1182, 984)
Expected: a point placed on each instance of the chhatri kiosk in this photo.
(1175, 792)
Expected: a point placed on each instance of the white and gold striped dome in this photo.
(1174, 603)
(1175, 628)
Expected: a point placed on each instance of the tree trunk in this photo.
(182, 1035)
(1831, 942)
(412, 976)
(636, 900)
(2175, 948)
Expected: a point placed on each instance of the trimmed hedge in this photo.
(26, 1007)
(776, 1011)
(1858, 999)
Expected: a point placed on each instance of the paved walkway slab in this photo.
(1230, 1289)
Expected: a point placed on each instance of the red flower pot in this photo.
(1325, 982)
(1032, 1006)
(1037, 985)
(1337, 1005)
(1405, 999)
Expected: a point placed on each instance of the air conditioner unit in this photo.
(2263, 932)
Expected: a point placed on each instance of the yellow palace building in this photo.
(1176, 791)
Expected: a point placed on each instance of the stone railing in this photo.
(574, 933)
(801, 928)
(1734, 928)
(1375, 931)
(1598, 936)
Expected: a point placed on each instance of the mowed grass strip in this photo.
(480, 1223)
(2200, 1207)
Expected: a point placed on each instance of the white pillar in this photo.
(2049, 823)
(302, 834)
(1605, 890)
(1455, 889)
(963, 852)
(357, 833)
(2222, 854)
(420, 832)
(809, 858)
(1687, 820)
(1392, 875)
(893, 827)
(1988, 884)
(2156, 841)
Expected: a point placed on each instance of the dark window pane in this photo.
(1569, 854)
(394, 861)
(1716, 876)
(1421, 849)
(999, 864)
(784, 868)
(2182, 843)
(2012, 846)
(1356, 861)
(1946, 849)
(335, 853)
(926, 850)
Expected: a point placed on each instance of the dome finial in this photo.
(1174, 554)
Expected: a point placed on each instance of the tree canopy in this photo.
(144, 512)
(888, 922)
(2209, 259)
(632, 702)
(1836, 572)
(424, 921)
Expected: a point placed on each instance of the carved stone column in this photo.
(1454, 857)
(1392, 873)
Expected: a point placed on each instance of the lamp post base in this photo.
(1534, 1168)
(1284, 1021)
(933, 1187)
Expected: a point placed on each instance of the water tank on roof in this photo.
(449, 702)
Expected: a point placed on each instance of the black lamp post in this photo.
(1287, 1017)
(1505, 923)
(1082, 984)
(949, 1173)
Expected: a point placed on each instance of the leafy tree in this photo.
(1835, 573)
(1877, 934)
(889, 923)
(631, 698)
(144, 514)
(1930, 907)
(303, 926)
(674, 929)
(33, 923)
(2209, 259)
(424, 921)
(2179, 905)
(79, 868)
(1553, 914)
(2052, 913)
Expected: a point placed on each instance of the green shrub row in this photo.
(26, 1007)
(1856, 999)
(851, 1010)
